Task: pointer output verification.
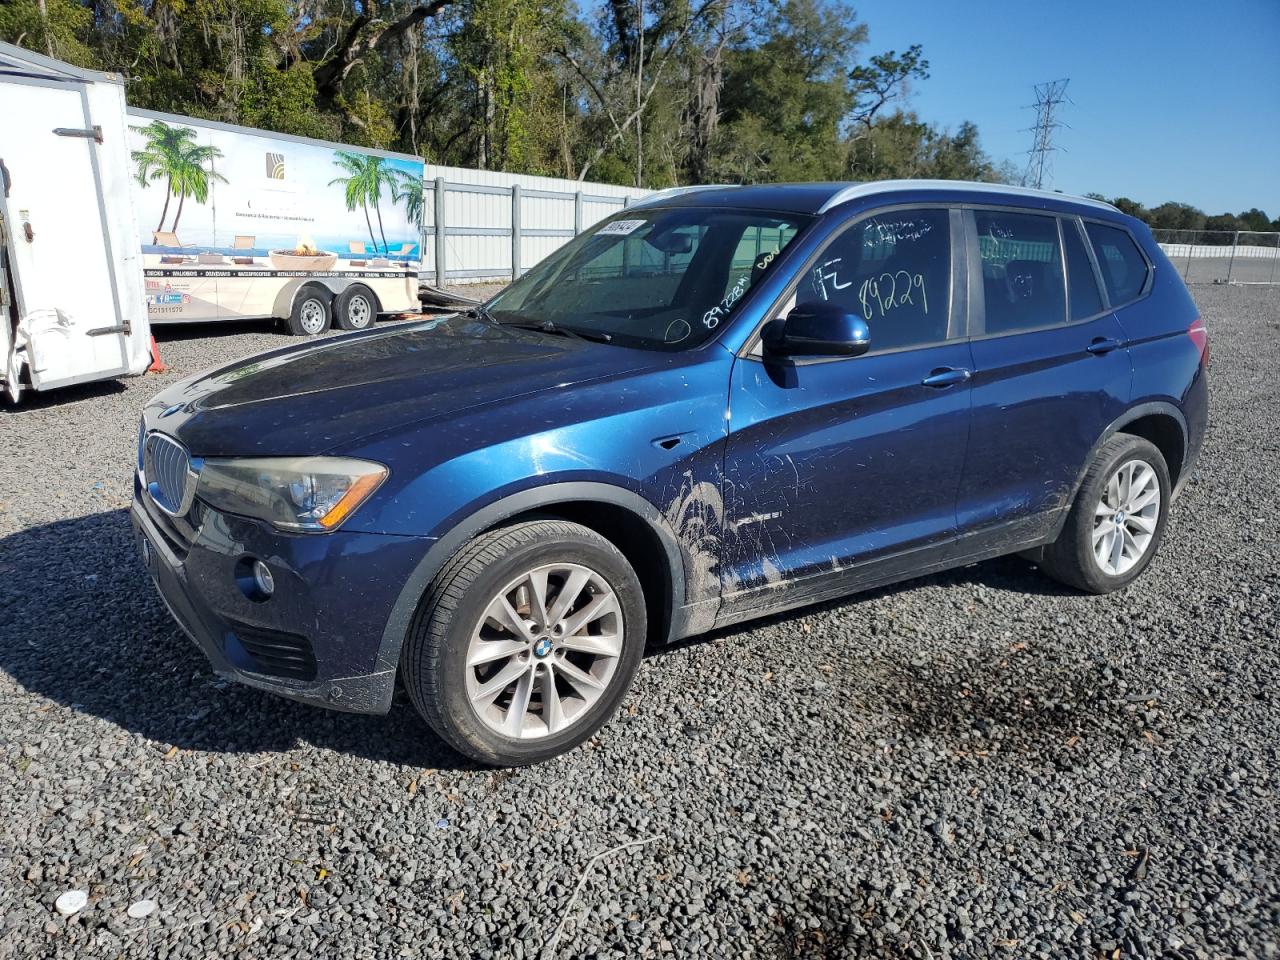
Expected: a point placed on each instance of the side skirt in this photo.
(788, 595)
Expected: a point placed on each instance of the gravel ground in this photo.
(978, 764)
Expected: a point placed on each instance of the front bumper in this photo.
(318, 638)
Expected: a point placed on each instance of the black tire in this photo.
(355, 308)
(433, 662)
(1070, 559)
(312, 312)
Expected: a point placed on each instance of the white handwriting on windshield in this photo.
(891, 290)
(711, 319)
(677, 330)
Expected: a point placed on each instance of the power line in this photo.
(1049, 97)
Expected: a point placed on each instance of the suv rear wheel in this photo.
(1117, 520)
(526, 642)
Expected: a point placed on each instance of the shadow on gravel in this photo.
(1014, 701)
(1022, 705)
(180, 332)
(37, 400)
(1004, 573)
(85, 628)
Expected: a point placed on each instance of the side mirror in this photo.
(818, 328)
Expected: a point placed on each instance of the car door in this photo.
(1051, 371)
(833, 466)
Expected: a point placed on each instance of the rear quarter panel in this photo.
(1166, 362)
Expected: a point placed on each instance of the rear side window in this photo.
(1082, 285)
(894, 270)
(1124, 269)
(1021, 271)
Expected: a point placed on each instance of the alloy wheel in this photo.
(1125, 518)
(544, 651)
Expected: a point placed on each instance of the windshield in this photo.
(660, 279)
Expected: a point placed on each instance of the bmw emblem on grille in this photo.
(542, 647)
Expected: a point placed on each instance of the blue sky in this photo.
(1177, 100)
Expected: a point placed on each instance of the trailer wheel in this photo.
(312, 312)
(355, 308)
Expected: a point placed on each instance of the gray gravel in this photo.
(979, 764)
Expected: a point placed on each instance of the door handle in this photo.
(946, 376)
(1101, 345)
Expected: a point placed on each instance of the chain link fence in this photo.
(1223, 256)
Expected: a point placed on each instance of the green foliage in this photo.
(62, 33)
(284, 101)
(786, 97)
(654, 93)
(1254, 219)
(1183, 216)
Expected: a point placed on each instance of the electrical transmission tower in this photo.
(1049, 97)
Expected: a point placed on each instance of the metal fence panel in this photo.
(468, 219)
(1223, 256)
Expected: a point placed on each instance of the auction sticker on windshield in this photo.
(620, 228)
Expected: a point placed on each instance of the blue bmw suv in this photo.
(722, 403)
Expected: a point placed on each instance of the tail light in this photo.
(1199, 335)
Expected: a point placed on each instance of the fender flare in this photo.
(1136, 412)
(393, 635)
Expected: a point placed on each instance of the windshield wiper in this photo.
(547, 326)
(479, 311)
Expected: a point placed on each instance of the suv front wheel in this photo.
(526, 642)
(1117, 520)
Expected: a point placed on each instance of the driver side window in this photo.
(893, 270)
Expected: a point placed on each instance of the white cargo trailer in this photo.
(72, 307)
(237, 223)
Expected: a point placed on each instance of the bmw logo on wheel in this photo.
(542, 647)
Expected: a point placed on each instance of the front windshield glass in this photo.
(660, 279)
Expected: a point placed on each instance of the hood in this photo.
(315, 397)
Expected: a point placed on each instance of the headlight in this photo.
(304, 494)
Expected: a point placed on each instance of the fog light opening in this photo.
(262, 578)
(255, 580)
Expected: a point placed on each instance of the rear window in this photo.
(1124, 269)
(1021, 271)
(1082, 285)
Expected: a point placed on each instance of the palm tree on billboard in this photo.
(160, 157)
(362, 187)
(172, 154)
(192, 179)
(408, 187)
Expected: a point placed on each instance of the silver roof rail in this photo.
(679, 191)
(856, 190)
